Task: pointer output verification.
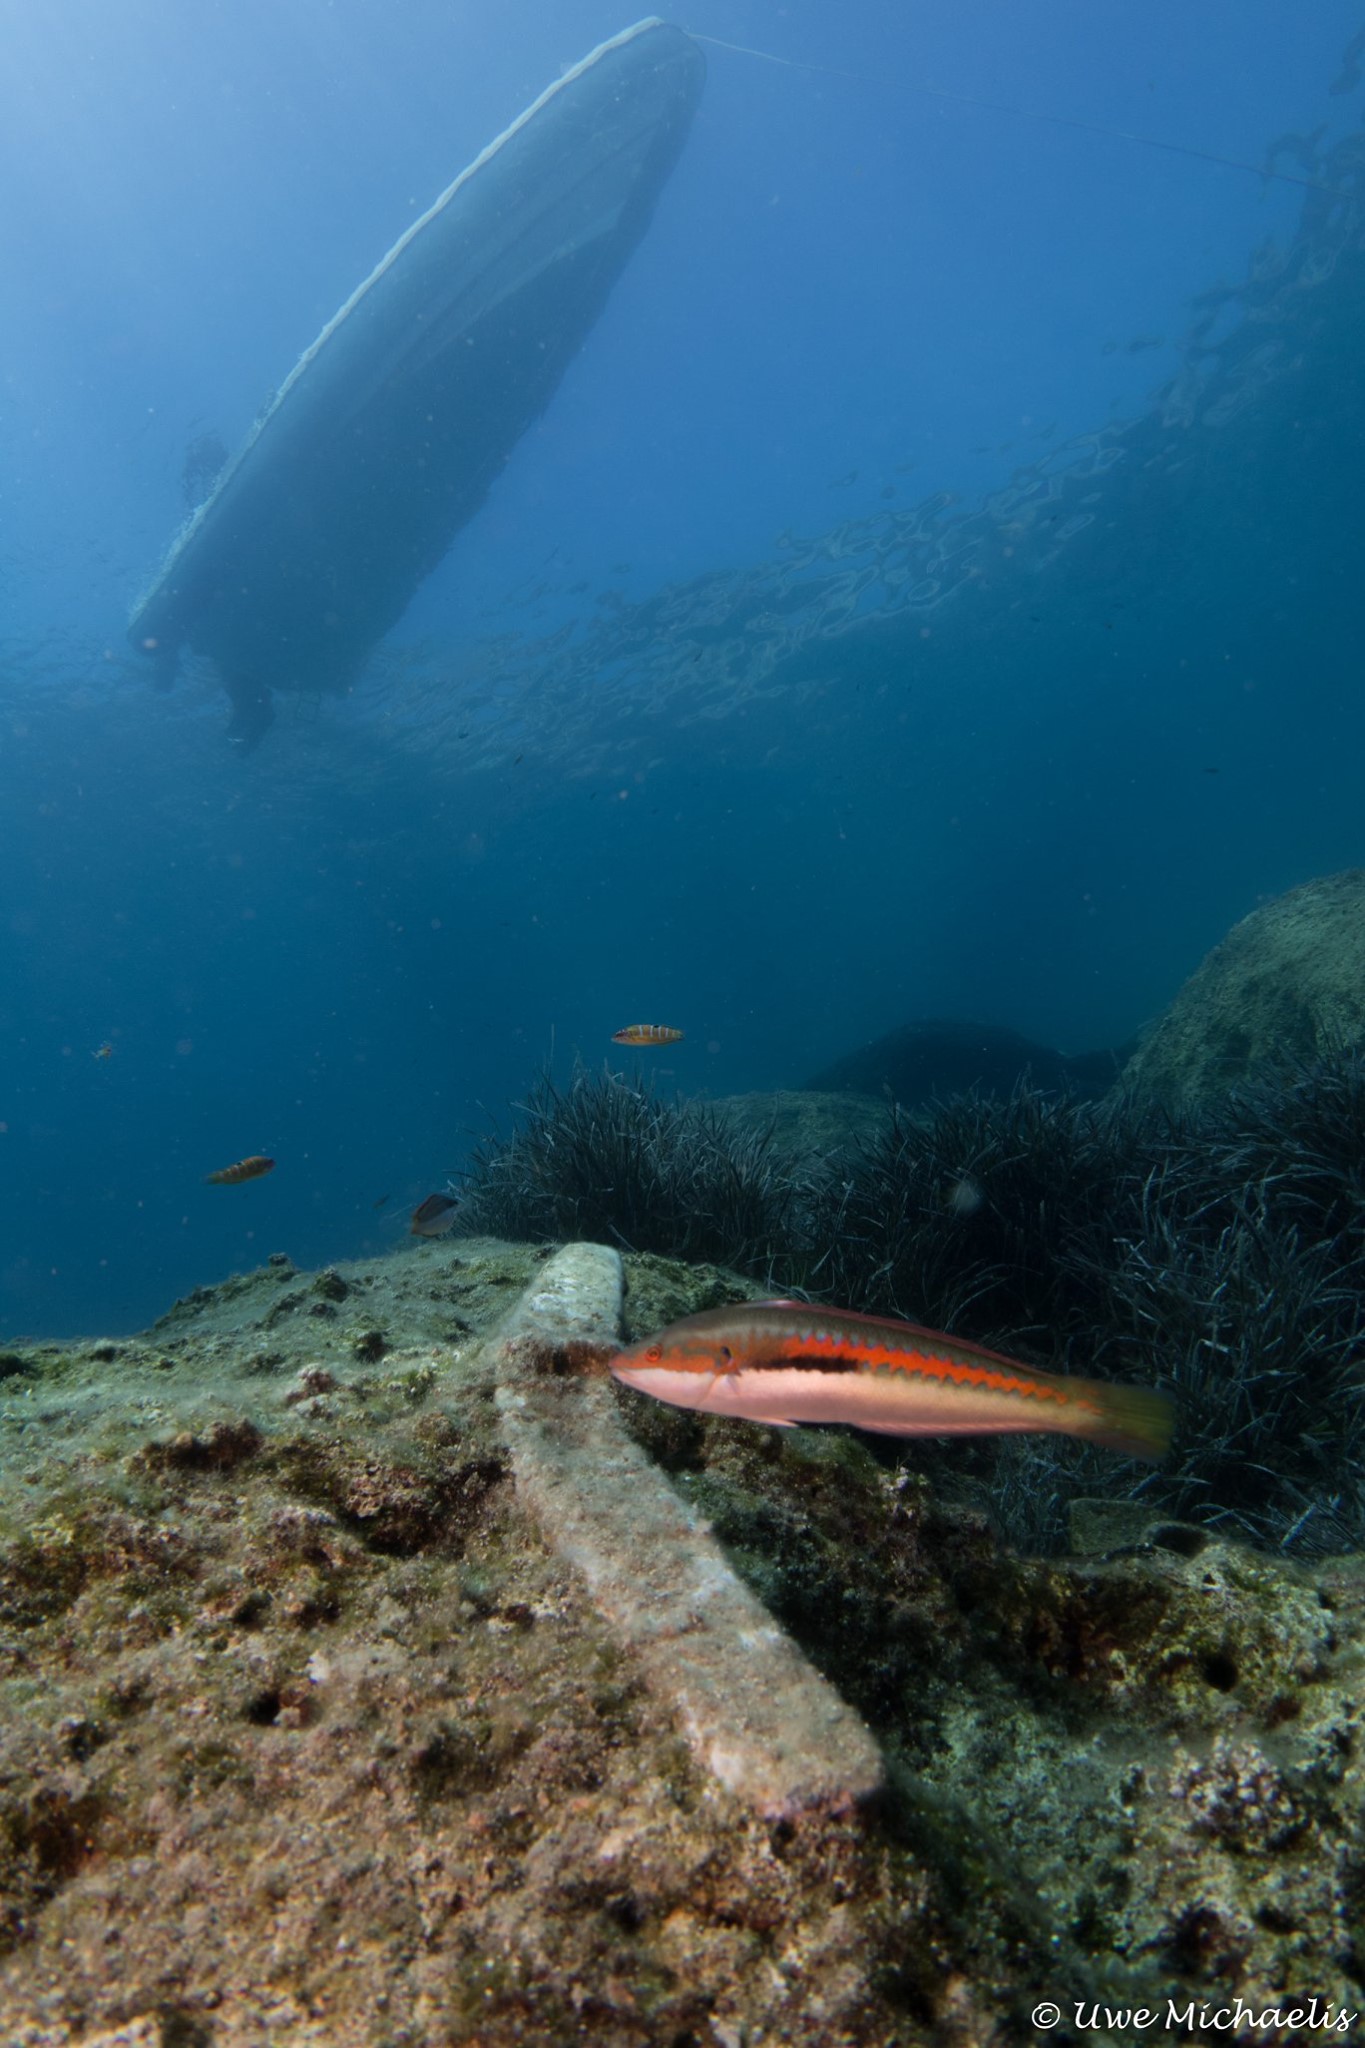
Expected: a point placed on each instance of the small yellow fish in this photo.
(103, 1052)
(244, 1169)
(646, 1034)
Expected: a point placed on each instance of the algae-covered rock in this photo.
(930, 1058)
(1144, 1765)
(807, 1126)
(761, 1720)
(307, 1734)
(1286, 984)
(331, 1713)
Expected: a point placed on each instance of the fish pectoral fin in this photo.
(736, 1414)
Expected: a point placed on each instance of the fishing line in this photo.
(966, 99)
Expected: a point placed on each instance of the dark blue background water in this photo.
(1040, 814)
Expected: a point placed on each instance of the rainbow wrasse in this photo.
(793, 1361)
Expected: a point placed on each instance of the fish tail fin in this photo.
(1137, 1421)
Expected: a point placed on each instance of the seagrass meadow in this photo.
(1218, 1257)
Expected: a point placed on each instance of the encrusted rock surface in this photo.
(307, 1735)
(754, 1712)
(1287, 983)
(808, 1127)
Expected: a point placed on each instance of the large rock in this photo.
(933, 1057)
(1287, 983)
(361, 1682)
(807, 1126)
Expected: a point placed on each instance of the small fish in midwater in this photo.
(244, 1169)
(103, 1052)
(646, 1034)
(793, 1361)
(434, 1217)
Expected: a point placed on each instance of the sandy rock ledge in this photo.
(308, 1734)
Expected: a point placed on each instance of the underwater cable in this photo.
(966, 99)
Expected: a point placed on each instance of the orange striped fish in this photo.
(244, 1169)
(646, 1034)
(793, 1361)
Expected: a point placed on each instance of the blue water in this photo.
(816, 804)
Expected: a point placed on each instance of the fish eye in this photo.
(654, 1353)
(725, 1354)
